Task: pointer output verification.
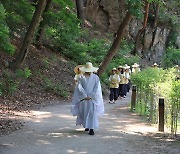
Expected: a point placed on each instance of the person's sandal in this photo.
(91, 132)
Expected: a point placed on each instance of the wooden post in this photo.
(133, 98)
(161, 114)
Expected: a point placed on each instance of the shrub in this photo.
(153, 84)
(59, 89)
(10, 81)
(4, 33)
(19, 14)
(171, 57)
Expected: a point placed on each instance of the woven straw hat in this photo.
(126, 66)
(120, 66)
(88, 67)
(155, 64)
(76, 69)
(135, 65)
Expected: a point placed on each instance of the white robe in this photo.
(87, 111)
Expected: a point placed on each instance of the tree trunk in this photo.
(29, 35)
(156, 16)
(112, 51)
(42, 24)
(143, 28)
(84, 2)
(80, 12)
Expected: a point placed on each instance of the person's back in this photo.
(87, 101)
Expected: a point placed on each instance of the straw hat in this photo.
(120, 66)
(126, 66)
(155, 64)
(76, 68)
(114, 69)
(176, 66)
(88, 67)
(135, 65)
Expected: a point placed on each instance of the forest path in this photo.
(52, 130)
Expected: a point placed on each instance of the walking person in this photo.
(114, 85)
(87, 102)
(127, 77)
(135, 68)
(78, 73)
(155, 66)
(122, 87)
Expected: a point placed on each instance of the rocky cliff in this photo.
(108, 14)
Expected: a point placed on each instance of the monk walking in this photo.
(87, 103)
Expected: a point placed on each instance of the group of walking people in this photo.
(120, 81)
(87, 102)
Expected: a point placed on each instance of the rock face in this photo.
(108, 14)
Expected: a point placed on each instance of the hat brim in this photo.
(135, 65)
(84, 69)
(76, 68)
(127, 67)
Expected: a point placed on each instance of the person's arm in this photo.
(110, 77)
(93, 94)
(81, 92)
(118, 77)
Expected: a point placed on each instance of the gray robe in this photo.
(87, 111)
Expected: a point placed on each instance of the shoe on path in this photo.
(110, 102)
(91, 132)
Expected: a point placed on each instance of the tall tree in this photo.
(29, 35)
(134, 9)
(157, 7)
(42, 24)
(137, 41)
(80, 12)
(115, 45)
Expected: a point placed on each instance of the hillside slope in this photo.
(51, 81)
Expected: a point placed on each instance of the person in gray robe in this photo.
(87, 102)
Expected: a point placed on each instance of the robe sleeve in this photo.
(79, 95)
(96, 96)
(81, 92)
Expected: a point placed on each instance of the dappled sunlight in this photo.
(11, 145)
(65, 116)
(72, 151)
(112, 137)
(41, 142)
(68, 133)
(42, 116)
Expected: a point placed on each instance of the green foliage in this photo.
(10, 81)
(26, 73)
(59, 89)
(171, 57)
(19, 14)
(135, 7)
(172, 38)
(168, 14)
(5, 43)
(153, 84)
(122, 57)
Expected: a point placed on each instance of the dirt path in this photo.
(52, 130)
